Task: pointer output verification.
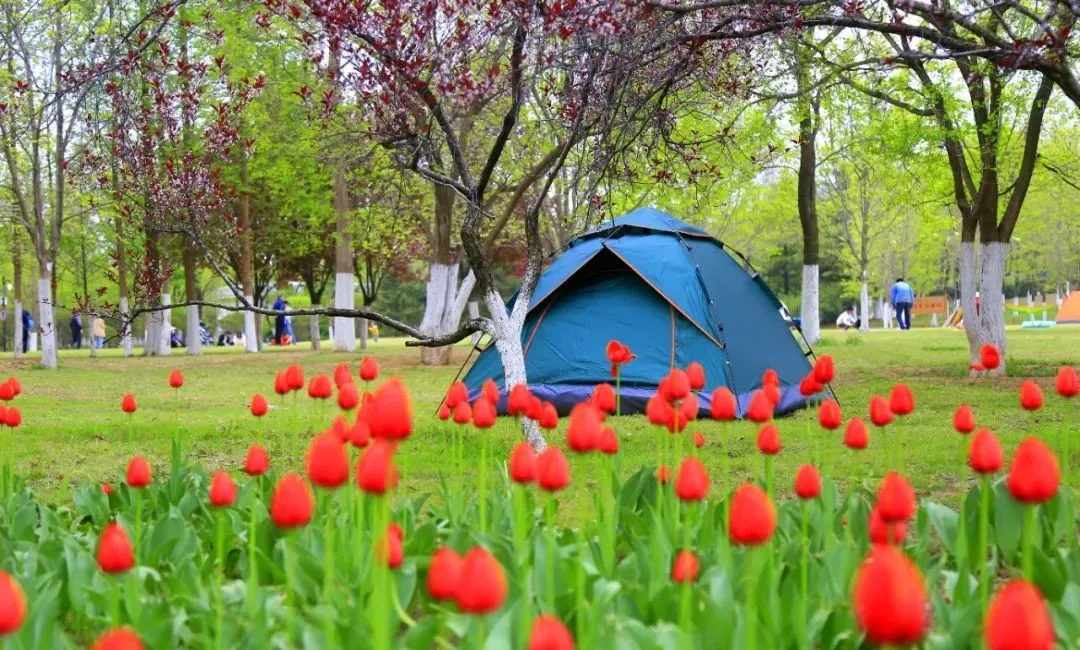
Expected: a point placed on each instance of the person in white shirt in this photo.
(847, 320)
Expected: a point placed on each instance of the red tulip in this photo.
(490, 391)
(603, 398)
(281, 383)
(517, 403)
(1031, 397)
(119, 639)
(751, 517)
(768, 440)
(699, 439)
(390, 412)
(1067, 383)
(549, 417)
(257, 462)
(807, 482)
(16, 387)
(292, 504)
(618, 354)
(829, 415)
(369, 369)
(328, 461)
(695, 372)
(138, 472)
(552, 469)
(483, 413)
(361, 432)
(657, 410)
(692, 483)
(685, 568)
(978, 367)
(176, 379)
(222, 490)
(457, 394)
(722, 406)
(964, 419)
(522, 463)
(389, 549)
(127, 405)
(548, 633)
(341, 429)
(896, 498)
(106, 489)
(342, 375)
(772, 392)
(663, 474)
(444, 574)
(444, 412)
(678, 385)
(1034, 474)
(259, 407)
(584, 431)
(901, 400)
(880, 412)
(462, 413)
(294, 377)
(375, 473)
(482, 587)
(761, 409)
(810, 386)
(770, 378)
(985, 456)
(348, 398)
(320, 387)
(989, 356)
(536, 409)
(824, 369)
(882, 532)
(7, 393)
(1018, 619)
(855, 435)
(12, 605)
(688, 409)
(114, 552)
(890, 598)
(607, 442)
(12, 417)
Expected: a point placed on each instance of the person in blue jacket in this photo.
(903, 297)
(27, 325)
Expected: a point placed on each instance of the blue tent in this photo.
(669, 291)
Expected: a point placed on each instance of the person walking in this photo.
(903, 297)
(97, 332)
(76, 331)
(27, 325)
(279, 321)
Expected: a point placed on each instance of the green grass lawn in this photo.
(74, 430)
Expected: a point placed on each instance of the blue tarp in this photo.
(671, 293)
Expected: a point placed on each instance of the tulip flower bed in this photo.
(679, 550)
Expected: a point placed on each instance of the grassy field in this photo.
(74, 430)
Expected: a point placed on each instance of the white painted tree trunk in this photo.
(164, 349)
(313, 330)
(363, 333)
(127, 341)
(864, 304)
(474, 312)
(251, 337)
(810, 309)
(344, 328)
(508, 344)
(988, 326)
(17, 315)
(194, 333)
(47, 323)
(443, 307)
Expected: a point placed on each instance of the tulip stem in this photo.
(725, 543)
(401, 613)
(116, 611)
(768, 474)
(550, 563)
(253, 567)
(137, 497)
(219, 622)
(380, 615)
(290, 594)
(984, 537)
(483, 479)
(751, 598)
(1029, 541)
(328, 547)
(804, 573)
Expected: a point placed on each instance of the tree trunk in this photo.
(127, 341)
(193, 339)
(313, 325)
(16, 259)
(247, 273)
(443, 308)
(864, 303)
(987, 324)
(46, 318)
(166, 326)
(512, 355)
(810, 310)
